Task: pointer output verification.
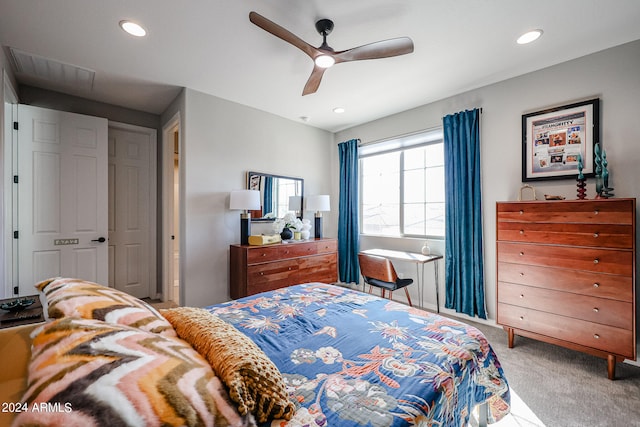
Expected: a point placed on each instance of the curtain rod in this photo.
(377, 141)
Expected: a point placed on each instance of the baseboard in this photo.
(637, 361)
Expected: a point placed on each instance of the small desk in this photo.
(419, 260)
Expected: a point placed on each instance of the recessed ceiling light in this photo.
(133, 28)
(339, 110)
(529, 36)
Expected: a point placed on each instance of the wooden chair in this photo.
(379, 272)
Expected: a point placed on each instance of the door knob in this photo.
(99, 240)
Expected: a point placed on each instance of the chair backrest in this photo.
(376, 267)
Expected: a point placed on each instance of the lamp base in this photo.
(245, 228)
(318, 226)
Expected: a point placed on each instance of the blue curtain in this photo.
(348, 227)
(463, 219)
(268, 196)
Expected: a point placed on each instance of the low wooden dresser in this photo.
(566, 274)
(257, 269)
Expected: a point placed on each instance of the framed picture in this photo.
(556, 139)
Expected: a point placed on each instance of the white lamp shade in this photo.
(245, 199)
(319, 203)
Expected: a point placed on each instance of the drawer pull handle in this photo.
(289, 268)
(521, 274)
(595, 309)
(521, 231)
(262, 273)
(521, 317)
(264, 254)
(596, 336)
(596, 261)
(596, 285)
(521, 253)
(596, 212)
(521, 295)
(596, 235)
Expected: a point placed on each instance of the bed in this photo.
(311, 355)
(353, 359)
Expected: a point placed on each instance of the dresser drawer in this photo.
(271, 275)
(596, 235)
(293, 250)
(263, 254)
(327, 246)
(589, 259)
(612, 211)
(602, 337)
(579, 282)
(320, 268)
(598, 310)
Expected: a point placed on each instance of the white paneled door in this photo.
(62, 197)
(131, 210)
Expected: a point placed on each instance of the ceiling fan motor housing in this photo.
(324, 26)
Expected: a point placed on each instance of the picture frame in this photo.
(554, 140)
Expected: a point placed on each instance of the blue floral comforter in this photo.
(354, 359)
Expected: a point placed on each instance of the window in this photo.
(402, 186)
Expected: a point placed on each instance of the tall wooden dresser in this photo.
(263, 268)
(566, 274)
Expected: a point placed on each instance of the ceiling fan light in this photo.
(324, 61)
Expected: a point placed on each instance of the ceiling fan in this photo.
(324, 56)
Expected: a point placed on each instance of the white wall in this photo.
(612, 75)
(222, 141)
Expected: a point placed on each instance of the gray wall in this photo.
(612, 75)
(223, 140)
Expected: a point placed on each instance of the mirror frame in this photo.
(263, 174)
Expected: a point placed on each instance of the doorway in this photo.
(171, 143)
(38, 253)
(132, 209)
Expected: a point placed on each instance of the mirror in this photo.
(278, 195)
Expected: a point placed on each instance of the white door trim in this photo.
(153, 199)
(167, 205)
(7, 204)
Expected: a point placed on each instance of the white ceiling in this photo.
(210, 46)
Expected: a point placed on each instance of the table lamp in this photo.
(319, 203)
(245, 200)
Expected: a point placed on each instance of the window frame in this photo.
(420, 139)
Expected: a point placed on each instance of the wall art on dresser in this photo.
(553, 140)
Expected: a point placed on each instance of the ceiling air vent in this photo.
(51, 70)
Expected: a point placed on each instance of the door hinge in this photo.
(15, 179)
(15, 125)
(16, 291)
(16, 234)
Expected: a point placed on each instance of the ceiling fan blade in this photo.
(381, 49)
(282, 33)
(314, 80)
